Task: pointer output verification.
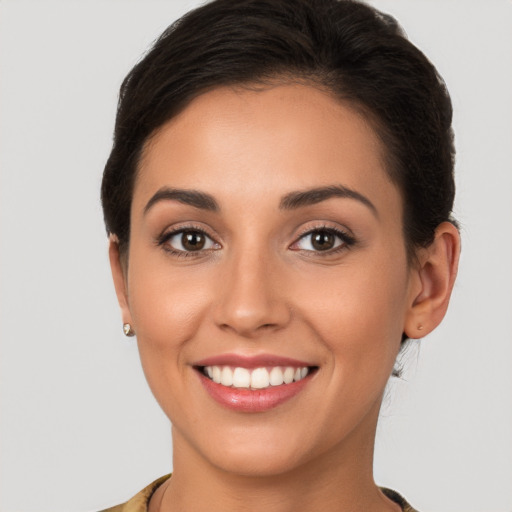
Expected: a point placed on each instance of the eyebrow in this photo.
(190, 197)
(290, 201)
(299, 199)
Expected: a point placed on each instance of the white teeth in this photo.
(288, 375)
(216, 374)
(226, 377)
(241, 378)
(276, 376)
(260, 378)
(257, 378)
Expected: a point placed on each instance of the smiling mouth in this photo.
(255, 378)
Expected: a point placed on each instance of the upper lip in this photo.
(256, 361)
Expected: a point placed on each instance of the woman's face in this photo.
(266, 244)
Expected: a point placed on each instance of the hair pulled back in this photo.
(358, 54)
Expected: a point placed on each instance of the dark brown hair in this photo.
(346, 47)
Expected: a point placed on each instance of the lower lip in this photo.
(252, 400)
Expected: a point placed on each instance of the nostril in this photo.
(250, 313)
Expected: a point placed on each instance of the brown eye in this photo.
(193, 240)
(323, 240)
(190, 240)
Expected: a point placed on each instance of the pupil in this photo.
(192, 240)
(323, 240)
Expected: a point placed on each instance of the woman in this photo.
(278, 202)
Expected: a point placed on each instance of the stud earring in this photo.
(128, 331)
(420, 327)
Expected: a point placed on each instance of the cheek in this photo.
(166, 308)
(166, 305)
(359, 314)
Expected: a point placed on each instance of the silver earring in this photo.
(128, 331)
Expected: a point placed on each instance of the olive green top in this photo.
(139, 503)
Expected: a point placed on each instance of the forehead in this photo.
(257, 142)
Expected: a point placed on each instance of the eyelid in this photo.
(343, 234)
(170, 232)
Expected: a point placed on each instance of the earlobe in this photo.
(434, 278)
(119, 277)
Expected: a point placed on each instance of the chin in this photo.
(264, 451)
(255, 462)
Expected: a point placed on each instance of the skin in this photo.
(260, 287)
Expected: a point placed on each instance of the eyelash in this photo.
(166, 236)
(346, 239)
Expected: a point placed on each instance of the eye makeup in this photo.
(191, 240)
(188, 240)
(324, 239)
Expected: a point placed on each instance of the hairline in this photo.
(307, 79)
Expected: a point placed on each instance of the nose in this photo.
(251, 297)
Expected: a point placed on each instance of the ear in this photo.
(432, 282)
(119, 270)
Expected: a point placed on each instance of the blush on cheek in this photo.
(166, 323)
(165, 302)
(366, 336)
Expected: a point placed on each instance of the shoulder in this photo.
(394, 496)
(139, 503)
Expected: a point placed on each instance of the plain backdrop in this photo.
(79, 427)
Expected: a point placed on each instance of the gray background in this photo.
(79, 427)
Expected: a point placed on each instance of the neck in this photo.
(340, 480)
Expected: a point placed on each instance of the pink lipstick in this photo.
(253, 383)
